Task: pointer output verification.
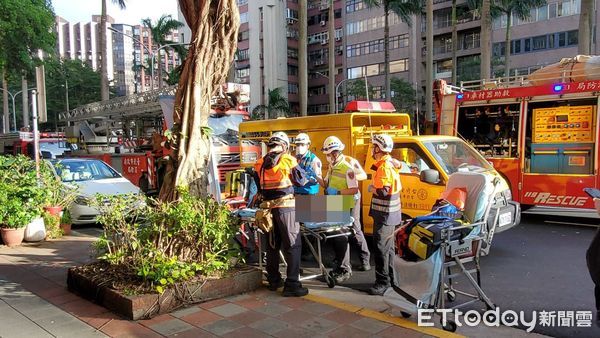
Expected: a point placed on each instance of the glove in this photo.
(331, 191)
(312, 179)
(371, 188)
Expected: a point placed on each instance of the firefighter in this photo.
(310, 163)
(276, 173)
(385, 211)
(340, 180)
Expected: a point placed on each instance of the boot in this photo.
(276, 285)
(340, 275)
(294, 290)
(365, 266)
(378, 289)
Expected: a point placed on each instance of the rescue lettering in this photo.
(550, 199)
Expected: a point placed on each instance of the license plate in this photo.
(457, 249)
(505, 218)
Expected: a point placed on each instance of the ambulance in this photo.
(427, 161)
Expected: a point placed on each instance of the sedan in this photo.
(92, 177)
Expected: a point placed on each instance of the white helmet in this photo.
(331, 144)
(384, 142)
(302, 138)
(280, 138)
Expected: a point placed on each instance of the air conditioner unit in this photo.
(323, 23)
(324, 41)
(319, 63)
(323, 6)
(338, 38)
(290, 21)
(340, 52)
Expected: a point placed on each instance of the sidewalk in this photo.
(34, 302)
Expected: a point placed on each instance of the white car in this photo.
(93, 177)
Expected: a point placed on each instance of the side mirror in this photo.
(430, 176)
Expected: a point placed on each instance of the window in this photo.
(244, 72)
(242, 2)
(245, 35)
(243, 17)
(498, 49)
(292, 88)
(572, 38)
(444, 66)
(516, 47)
(292, 53)
(412, 159)
(378, 93)
(562, 39)
(539, 42)
(399, 66)
(527, 45)
(542, 13)
(354, 5)
(292, 70)
(291, 14)
(376, 46)
(551, 42)
(242, 55)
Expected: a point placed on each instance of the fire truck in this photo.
(540, 132)
(127, 132)
(52, 145)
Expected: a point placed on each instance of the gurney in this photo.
(427, 283)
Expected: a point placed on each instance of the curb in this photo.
(407, 324)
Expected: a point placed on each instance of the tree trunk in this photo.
(103, 55)
(585, 27)
(486, 38)
(25, 101)
(454, 42)
(6, 112)
(303, 58)
(429, 62)
(507, 47)
(214, 25)
(386, 49)
(331, 45)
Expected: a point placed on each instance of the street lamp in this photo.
(146, 48)
(337, 93)
(13, 96)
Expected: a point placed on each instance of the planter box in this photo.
(145, 306)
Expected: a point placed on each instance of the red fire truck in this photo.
(540, 132)
(126, 133)
(52, 145)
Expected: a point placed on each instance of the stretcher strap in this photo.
(411, 299)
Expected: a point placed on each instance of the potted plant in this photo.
(17, 217)
(65, 222)
(52, 223)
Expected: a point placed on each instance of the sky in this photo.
(135, 11)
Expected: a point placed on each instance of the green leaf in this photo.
(162, 281)
(160, 289)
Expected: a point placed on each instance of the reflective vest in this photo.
(306, 163)
(386, 210)
(278, 177)
(337, 176)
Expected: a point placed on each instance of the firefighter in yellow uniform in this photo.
(277, 173)
(340, 180)
(385, 211)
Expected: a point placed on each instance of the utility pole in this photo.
(331, 17)
(429, 61)
(25, 100)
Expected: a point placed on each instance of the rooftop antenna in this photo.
(368, 102)
(417, 118)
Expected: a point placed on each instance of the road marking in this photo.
(573, 223)
(384, 317)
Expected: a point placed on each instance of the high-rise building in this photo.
(132, 52)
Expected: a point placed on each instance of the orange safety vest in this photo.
(278, 177)
(388, 207)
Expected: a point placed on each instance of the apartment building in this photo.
(131, 47)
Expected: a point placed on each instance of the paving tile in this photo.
(273, 309)
(64, 298)
(316, 308)
(237, 298)
(252, 303)
(248, 317)
(342, 317)
(212, 303)
(185, 312)
(228, 310)
(125, 328)
(201, 318)
(51, 292)
(221, 327)
(156, 320)
(295, 316)
(370, 325)
(270, 325)
(82, 307)
(295, 332)
(346, 331)
(319, 325)
(246, 332)
(171, 327)
(98, 321)
(395, 331)
(294, 302)
(194, 333)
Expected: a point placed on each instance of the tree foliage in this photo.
(404, 95)
(357, 89)
(159, 31)
(277, 106)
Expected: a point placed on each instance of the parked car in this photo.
(93, 177)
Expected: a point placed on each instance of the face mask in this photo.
(301, 149)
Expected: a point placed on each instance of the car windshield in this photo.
(454, 154)
(84, 170)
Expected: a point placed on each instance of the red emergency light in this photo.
(366, 106)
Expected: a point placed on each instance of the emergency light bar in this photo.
(370, 106)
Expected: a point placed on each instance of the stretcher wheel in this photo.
(451, 296)
(450, 325)
(330, 280)
(405, 314)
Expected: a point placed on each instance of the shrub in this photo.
(52, 224)
(22, 194)
(167, 243)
